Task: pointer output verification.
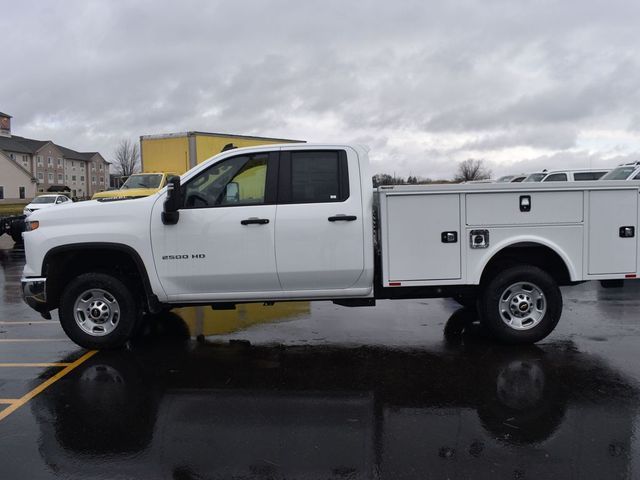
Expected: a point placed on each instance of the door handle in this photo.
(254, 221)
(342, 218)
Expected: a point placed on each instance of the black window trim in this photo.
(284, 178)
(270, 190)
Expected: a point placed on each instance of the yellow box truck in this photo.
(178, 152)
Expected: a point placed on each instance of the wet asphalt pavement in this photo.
(408, 389)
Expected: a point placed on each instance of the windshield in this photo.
(506, 178)
(145, 180)
(44, 200)
(620, 173)
(535, 177)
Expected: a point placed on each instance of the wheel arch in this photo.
(532, 251)
(65, 261)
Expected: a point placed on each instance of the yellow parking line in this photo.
(44, 385)
(10, 365)
(8, 401)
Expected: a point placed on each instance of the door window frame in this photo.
(285, 186)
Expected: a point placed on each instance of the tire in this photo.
(521, 305)
(108, 307)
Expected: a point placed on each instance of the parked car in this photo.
(512, 178)
(628, 171)
(578, 175)
(45, 201)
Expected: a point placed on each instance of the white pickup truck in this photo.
(301, 221)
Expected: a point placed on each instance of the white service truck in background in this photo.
(302, 222)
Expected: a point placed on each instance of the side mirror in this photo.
(232, 193)
(173, 202)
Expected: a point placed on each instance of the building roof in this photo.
(5, 115)
(18, 144)
(73, 155)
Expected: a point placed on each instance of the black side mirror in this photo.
(173, 202)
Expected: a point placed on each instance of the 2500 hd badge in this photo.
(197, 256)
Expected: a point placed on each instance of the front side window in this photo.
(234, 181)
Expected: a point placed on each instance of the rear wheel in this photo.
(98, 311)
(521, 304)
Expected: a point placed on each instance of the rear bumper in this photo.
(34, 293)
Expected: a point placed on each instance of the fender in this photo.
(532, 239)
(153, 302)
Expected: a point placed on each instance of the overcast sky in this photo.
(522, 84)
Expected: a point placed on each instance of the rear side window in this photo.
(314, 177)
(581, 176)
(556, 177)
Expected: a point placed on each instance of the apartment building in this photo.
(52, 167)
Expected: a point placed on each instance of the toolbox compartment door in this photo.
(506, 208)
(416, 248)
(609, 252)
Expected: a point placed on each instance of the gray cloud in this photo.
(426, 84)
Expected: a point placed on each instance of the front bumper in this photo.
(34, 293)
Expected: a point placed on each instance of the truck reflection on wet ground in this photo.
(223, 410)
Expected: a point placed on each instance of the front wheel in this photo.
(97, 311)
(521, 304)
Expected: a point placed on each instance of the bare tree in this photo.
(127, 157)
(472, 169)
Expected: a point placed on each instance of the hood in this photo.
(39, 206)
(92, 211)
(126, 193)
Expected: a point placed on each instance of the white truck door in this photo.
(319, 224)
(610, 251)
(224, 239)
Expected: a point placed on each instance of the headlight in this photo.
(31, 225)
